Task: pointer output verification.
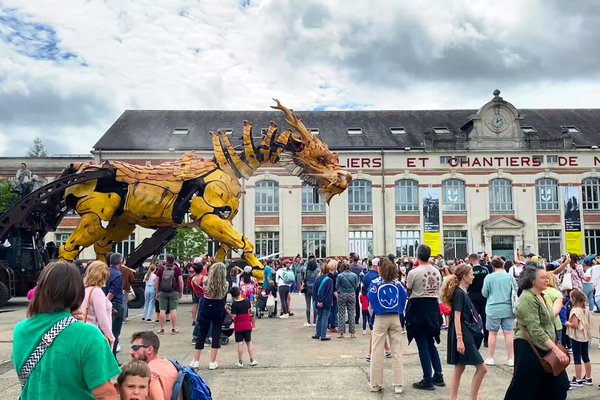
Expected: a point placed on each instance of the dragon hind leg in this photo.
(115, 232)
(88, 231)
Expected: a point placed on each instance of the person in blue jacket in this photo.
(387, 298)
(323, 295)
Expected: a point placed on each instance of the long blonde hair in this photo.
(96, 274)
(150, 272)
(216, 283)
(452, 283)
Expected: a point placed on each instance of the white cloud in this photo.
(150, 54)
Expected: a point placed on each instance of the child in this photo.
(240, 311)
(134, 380)
(579, 328)
(564, 312)
(364, 306)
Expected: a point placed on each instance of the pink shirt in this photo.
(163, 373)
(99, 312)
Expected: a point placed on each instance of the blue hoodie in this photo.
(325, 295)
(386, 298)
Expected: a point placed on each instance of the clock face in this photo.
(497, 121)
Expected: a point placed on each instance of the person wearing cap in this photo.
(80, 267)
(283, 288)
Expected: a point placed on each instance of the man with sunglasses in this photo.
(144, 347)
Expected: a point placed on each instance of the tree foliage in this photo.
(188, 243)
(37, 149)
(7, 197)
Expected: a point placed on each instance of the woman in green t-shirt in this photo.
(85, 361)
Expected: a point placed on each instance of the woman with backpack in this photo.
(284, 278)
(308, 280)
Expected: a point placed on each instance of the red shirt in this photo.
(241, 310)
(364, 302)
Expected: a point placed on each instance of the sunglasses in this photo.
(136, 347)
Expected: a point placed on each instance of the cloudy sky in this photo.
(69, 68)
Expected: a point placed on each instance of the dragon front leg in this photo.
(223, 232)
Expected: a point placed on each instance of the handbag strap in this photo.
(530, 341)
(88, 305)
(40, 350)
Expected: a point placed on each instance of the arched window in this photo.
(453, 195)
(312, 201)
(501, 195)
(267, 197)
(546, 194)
(359, 196)
(407, 195)
(591, 194)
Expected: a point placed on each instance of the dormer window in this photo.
(570, 128)
(181, 131)
(440, 130)
(398, 130)
(228, 131)
(314, 131)
(355, 131)
(528, 129)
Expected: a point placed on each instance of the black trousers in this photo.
(356, 293)
(479, 304)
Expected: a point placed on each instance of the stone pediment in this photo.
(502, 223)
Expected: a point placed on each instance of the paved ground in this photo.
(291, 365)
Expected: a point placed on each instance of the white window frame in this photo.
(548, 240)
(126, 246)
(309, 195)
(441, 130)
(181, 131)
(453, 239)
(266, 243)
(359, 237)
(456, 188)
(267, 197)
(407, 195)
(552, 159)
(590, 188)
(571, 128)
(407, 240)
(398, 130)
(545, 187)
(354, 131)
(314, 242)
(501, 195)
(360, 196)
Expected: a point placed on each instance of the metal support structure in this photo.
(149, 246)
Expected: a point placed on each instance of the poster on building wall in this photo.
(572, 213)
(431, 220)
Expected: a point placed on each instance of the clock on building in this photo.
(497, 121)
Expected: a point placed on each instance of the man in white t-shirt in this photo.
(516, 269)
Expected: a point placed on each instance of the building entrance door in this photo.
(503, 246)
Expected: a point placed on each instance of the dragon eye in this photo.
(321, 160)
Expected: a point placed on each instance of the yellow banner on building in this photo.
(433, 240)
(573, 242)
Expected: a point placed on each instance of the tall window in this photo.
(407, 243)
(549, 243)
(61, 238)
(266, 243)
(267, 197)
(455, 244)
(453, 193)
(407, 195)
(592, 241)
(361, 243)
(501, 195)
(359, 196)
(211, 247)
(546, 194)
(314, 243)
(591, 194)
(312, 201)
(126, 246)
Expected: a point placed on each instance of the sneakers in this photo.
(213, 365)
(307, 324)
(324, 339)
(160, 332)
(239, 364)
(284, 316)
(253, 362)
(403, 330)
(143, 319)
(195, 364)
(587, 381)
(388, 354)
(576, 382)
(291, 314)
(118, 348)
(364, 332)
(369, 359)
(489, 361)
(421, 386)
(510, 362)
(316, 337)
(398, 389)
(174, 331)
(376, 388)
(439, 383)
(313, 324)
(333, 330)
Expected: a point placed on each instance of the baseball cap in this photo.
(248, 269)
(375, 261)
(311, 256)
(197, 260)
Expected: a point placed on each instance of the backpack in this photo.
(167, 282)
(289, 277)
(190, 384)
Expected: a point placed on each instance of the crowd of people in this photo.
(76, 313)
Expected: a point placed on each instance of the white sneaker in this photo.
(489, 361)
(307, 324)
(364, 332)
(118, 348)
(195, 364)
(213, 365)
(376, 388)
(284, 316)
(398, 389)
(314, 325)
(510, 362)
(253, 362)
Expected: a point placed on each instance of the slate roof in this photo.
(152, 130)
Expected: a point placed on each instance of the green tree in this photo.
(7, 197)
(37, 149)
(188, 243)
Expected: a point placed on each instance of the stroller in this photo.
(261, 304)
(226, 329)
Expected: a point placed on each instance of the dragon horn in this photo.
(294, 121)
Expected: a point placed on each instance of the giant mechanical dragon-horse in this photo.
(207, 191)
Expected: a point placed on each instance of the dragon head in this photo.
(307, 157)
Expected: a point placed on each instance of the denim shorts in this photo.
(494, 324)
